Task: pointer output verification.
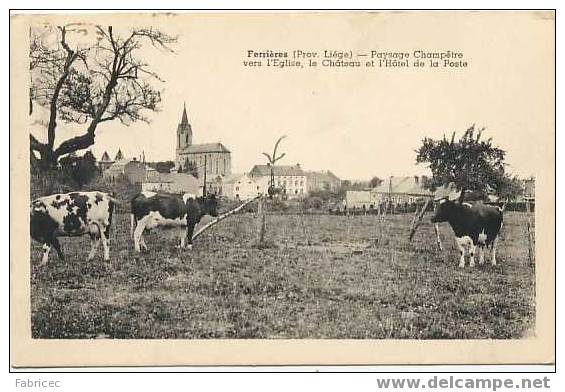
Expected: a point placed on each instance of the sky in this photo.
(357, 123)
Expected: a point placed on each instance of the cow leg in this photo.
(493, 262)
(472, 249)
(45, 257)
(95, 241)
(189, 233)
(142, 242)
(182, 235)
(105, 245)
(138, 234)
(481, 254)
(461, 246)
(57, 246)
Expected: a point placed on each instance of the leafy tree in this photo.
(471, 163)
(164, 166)
(81, 170)
(509, 188)
(375, 182)
(89, 75)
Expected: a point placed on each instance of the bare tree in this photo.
(90, 83)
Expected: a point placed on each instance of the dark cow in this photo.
(473, 224)
(71, 215)
(151, 210)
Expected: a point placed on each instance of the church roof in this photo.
(205, 147)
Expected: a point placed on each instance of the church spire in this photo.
(184, 120)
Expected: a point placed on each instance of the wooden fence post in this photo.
(418, 219)
(531, 250)
(261, 222)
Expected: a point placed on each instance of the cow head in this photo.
(442, 210)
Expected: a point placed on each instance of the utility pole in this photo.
(205, 170)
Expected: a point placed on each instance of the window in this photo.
(301, 183)
(295, 183)
(237, 188)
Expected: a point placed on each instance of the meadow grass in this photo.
(320, 276)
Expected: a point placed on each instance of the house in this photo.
(360, 199)
(401, 190)
(130, 169)
(240, 186)
(105, 162)
(171, 182)
(322, 181)
(291, 179)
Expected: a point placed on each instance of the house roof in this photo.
(205, 147)
(265, 170)
(105, 157)
(322, 176)
(234, 177)
(408, 185)
(119, 155)
(155, 176)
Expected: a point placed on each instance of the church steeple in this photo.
(184, 131)
(184, 120)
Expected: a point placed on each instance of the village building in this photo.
(240, 186)
(401, 190)
(291, 179)
(322, 181)
(171, 182)
(396, 191)
(130, 169)
(105, 162)
(212, 159)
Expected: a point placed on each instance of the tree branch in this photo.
(71, 57)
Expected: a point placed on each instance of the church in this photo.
(214, 159)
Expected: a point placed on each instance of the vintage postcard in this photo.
(282, 188)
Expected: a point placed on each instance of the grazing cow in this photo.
(151, 210)
(473, 225)
(71, 215)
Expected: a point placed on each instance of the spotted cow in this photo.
(71, 215)
(474, 225)
(151, 210)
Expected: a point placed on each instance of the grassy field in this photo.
(321, 277)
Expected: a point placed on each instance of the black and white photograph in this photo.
(294, 176)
